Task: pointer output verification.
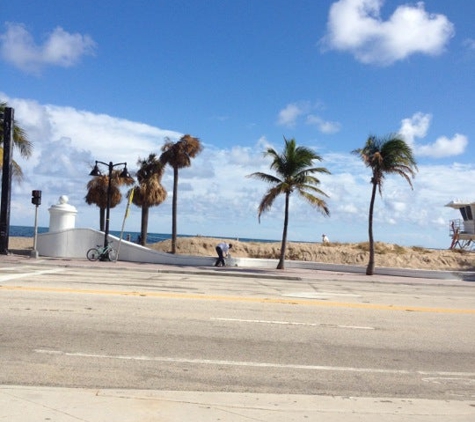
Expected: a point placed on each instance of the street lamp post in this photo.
(96, 172)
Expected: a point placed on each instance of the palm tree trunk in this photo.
(144, 226)
(281, 265)
(174, 208)
(370, 267)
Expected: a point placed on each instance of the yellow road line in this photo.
(302, 302)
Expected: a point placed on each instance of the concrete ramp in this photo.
(74, 243)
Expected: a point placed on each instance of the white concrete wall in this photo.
(74, 243)
(69, 243)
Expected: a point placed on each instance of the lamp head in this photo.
(125, 174)
(95, 171)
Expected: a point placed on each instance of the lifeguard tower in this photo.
(462, 231)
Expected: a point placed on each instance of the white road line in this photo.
(317, 295)
(355, 327)
(254, 364)
(23, 275)
(307, 324)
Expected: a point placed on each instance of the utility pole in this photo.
(8, 118)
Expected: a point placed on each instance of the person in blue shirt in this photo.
(222, 249)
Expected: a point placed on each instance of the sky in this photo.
(111, 80)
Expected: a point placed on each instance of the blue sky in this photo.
(110, 80)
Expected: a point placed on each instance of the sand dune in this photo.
(387, 255)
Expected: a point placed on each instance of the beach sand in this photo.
(387, 255)
(20, 243)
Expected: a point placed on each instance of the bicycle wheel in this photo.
(112, 254)
(93, 254)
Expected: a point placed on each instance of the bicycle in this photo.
(102, 253)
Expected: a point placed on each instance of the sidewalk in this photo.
(318, 271)
(32, 404)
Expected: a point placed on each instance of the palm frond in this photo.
(149, 192)
(179, 154)
(268, 200)
(269, 178)
(387, 155)
(315, 201)
(294, 171)
(313, 188)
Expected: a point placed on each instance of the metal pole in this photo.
(96, 172)
(34, 252)
(8, 116)
(108, 209)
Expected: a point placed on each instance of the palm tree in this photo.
(97, 192)
(20, 141)
(178, 155)
(387, 155)
(294, 173)
(149, 192)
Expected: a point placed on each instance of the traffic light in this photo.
(36, 197)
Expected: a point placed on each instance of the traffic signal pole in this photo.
(35, 200)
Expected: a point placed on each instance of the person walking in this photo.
(222, 249)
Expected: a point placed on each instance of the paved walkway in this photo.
(318, 271)
(35, 404)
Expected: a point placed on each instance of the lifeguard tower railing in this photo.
(461, 238)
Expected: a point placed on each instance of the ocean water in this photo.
(26, 231)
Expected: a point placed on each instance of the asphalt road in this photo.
(140, 328)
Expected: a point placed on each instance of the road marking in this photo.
(255, 364)
(316, 295)
(267, 300)
(23, 275)
(450, 381)
(308, 324)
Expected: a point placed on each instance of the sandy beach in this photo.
(387, 255)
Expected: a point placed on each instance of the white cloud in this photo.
(105, 136)
(444, 147)
(469, 43)
(215, 197)
(291, 113)
(356, 26)
(323, 125)
(418, 125)
(415, 127)
(397, 206)
(288, 116)
(60, 48)
(263, 144)
(61, 159)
